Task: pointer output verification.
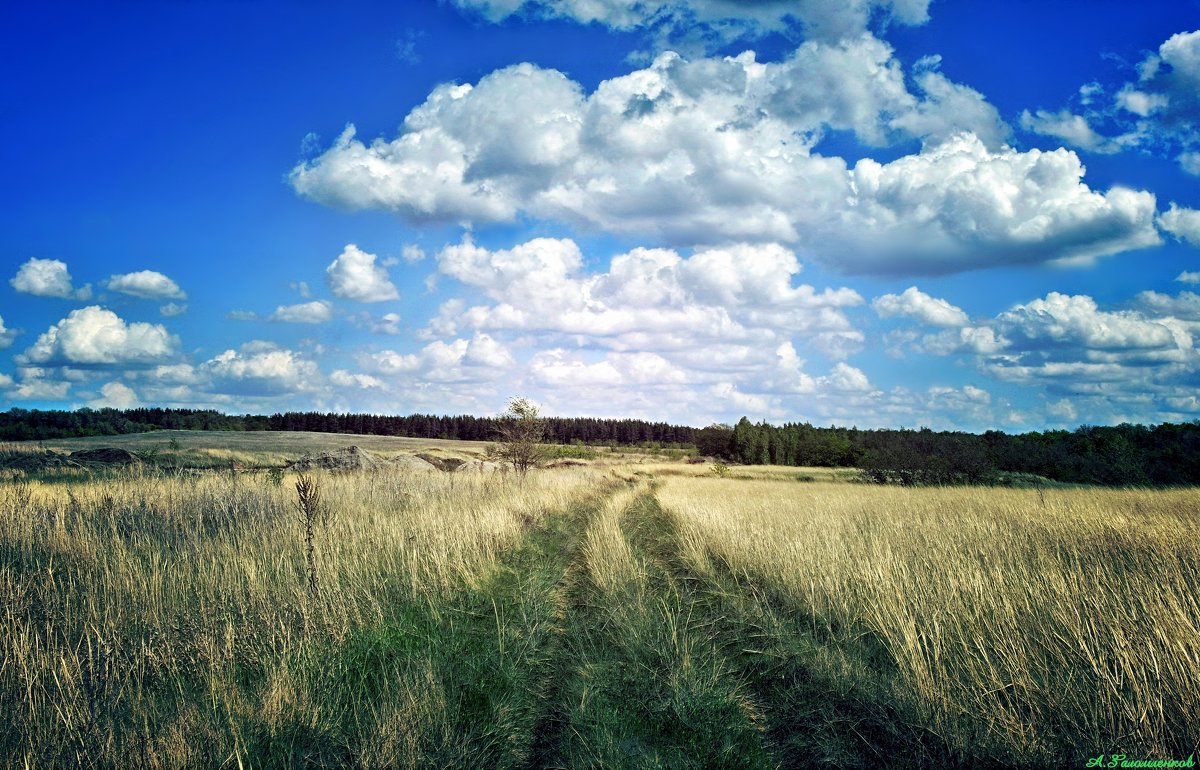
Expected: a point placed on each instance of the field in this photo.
(629, 612)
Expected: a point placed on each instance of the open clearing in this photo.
(614, 614)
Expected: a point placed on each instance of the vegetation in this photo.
(30, 425)
(1122, 455)
(650, 615)
(519, 435)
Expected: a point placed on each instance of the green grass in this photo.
(648, 616)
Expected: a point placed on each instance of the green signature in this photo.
(1123, 760)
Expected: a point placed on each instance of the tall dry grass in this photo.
(165, 621)
(1031, 628)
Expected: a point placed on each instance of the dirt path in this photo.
(638, 680)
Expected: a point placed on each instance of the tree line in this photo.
(1125, 454)
(1115, 455)
(34, 424)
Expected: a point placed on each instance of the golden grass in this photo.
(164, 620)
(132, 609)
(1023, 626)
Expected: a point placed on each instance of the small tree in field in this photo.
(519, 436)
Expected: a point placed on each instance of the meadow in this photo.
(624, 612)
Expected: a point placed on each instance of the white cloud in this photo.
(1190, 162)
(1157, 112)
(649, 299)
(713, 20)
(1182, 223)
(6, 335)
(1185, 305)
(47, 278)
(388, 323)
(175, 374)
(477, 359)
(315, 312)
(1064, 410)
(95, 336)
(39, 389)
(261, 370)
(948, 108)
(412, 253)
(981, 340)
(918, 305)
(1070, 128)
(172, 309)
(1068, 345)
(145, 284)
(116, 395)
(959, 206)
(845, 378)
(344, 379)
(719, 150)
(1077, 321)
(1188, 277)
(354, 275)
(242, 315)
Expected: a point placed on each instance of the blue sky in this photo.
(878, 212)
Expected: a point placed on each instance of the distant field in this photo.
(627, 612)
(196, 448)
(254, 448)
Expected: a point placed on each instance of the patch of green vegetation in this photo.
(822, 695)
(641, 684)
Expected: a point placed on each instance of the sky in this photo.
(881, 213)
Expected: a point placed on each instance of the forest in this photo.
(1121, 455)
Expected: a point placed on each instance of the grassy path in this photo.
(826, 698)
(640, 682)
(459, 681)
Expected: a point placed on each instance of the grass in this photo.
(1016, 627)
(641, 615)
(264, 449)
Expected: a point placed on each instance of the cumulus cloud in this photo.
(6, 335)
(145, 284)
(1188, 277)
(1142, 356)
(1157, 112)
(718, 150)
(315, 312)
(47, 278)
(1070, 128)
(921, 307)
(1077, 322)
(343, 379)
(354, 275)
(98, 337)
(648, 299)
(1185, 305)
(172, 309)
(1111, 359)
(1169, 83)
(260, 370)
(37, 388)
(116, 395)
(388, 323)
(558, 368)
(708, 333)
(960, 205)
(713, 21)
(1182, 223)
(477, 359)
